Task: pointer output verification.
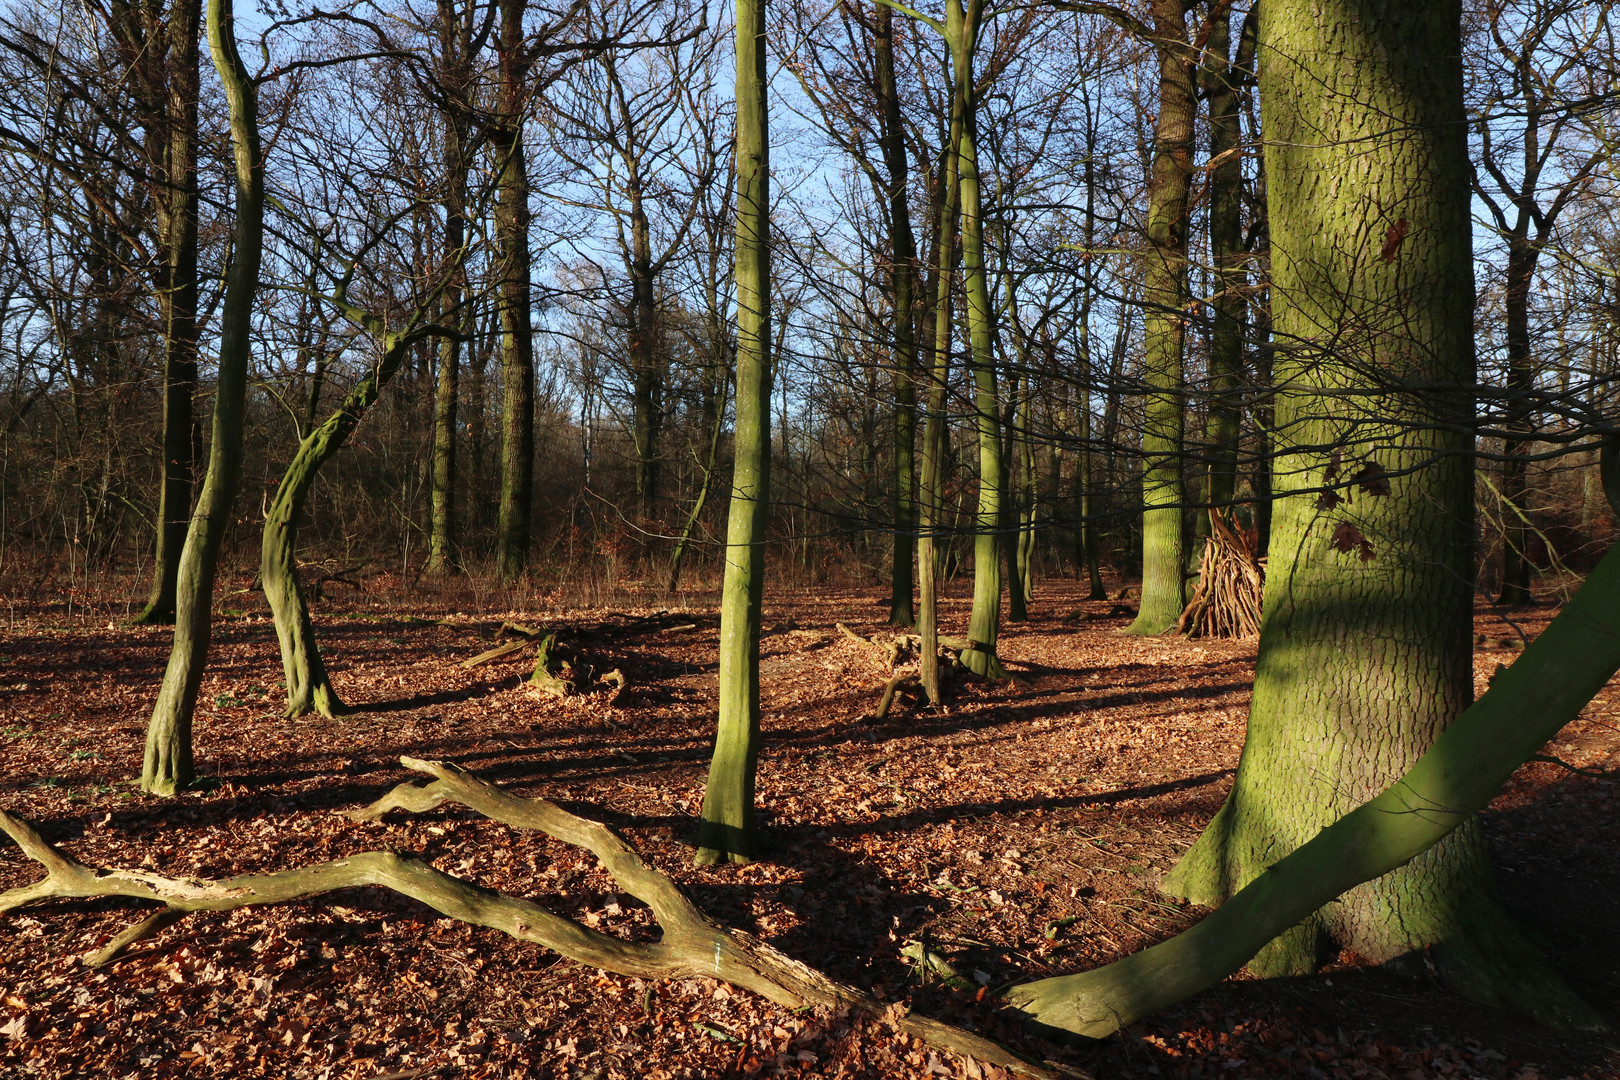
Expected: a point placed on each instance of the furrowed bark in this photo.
(1526, 705)
(168, 765)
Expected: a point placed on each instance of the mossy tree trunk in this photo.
(168, 766)
(1365, 648)
(1420, 810)
(984, 622)
(309, 689)
(514, 525)
(728, 829)
(1164, 549)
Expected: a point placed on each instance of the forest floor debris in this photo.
(1015, 833)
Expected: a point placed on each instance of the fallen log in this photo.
(692, 945)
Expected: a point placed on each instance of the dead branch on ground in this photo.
(692, 945)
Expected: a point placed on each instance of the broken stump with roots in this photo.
(692, 945)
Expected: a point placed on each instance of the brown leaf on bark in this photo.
(1347, 538)
(1372, 478)
(1332, 471)
(1327, 500)
(1392, 240)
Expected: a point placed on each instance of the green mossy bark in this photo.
(1365, 648)
(728, 830)
(309, 688)
(1164, 546)
(455, 32)
(1418, 812)
(984, 622)
(168, 766)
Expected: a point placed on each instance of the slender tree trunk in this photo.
(1164, 558)
(309, 688)
(903, 284)
(931, 489)
(728, 830)
(1365, 648)
(1521, 270)
(168, 765)
(648, 376)
(454, 45)
(1227, 254)
(517, 339)
(984, 623)
(177, 303)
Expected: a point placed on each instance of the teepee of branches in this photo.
(1226, 602)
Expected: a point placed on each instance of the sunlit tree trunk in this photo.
(1164, 559)
(984, 623)
(168, 765)
(728, 830)
(1366, 644)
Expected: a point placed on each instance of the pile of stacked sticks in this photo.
(1226, 602)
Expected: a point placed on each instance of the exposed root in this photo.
(692, 945)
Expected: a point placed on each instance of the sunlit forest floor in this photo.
(1018, 833)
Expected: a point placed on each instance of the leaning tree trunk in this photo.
(309, 689)
(1365, 646)
(728, 830)
(177, 208)
(1164, 551)
(1429, 804)
(168, 765)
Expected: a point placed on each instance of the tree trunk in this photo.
(1164, 551)
(454, 45)
(1521, 269)
(984, 623)
(517, 338)
(1365, 647)
(1220, 78)
(931, 489)
(168, 765)
(903, 283)
(728, 830)
(309, 689)
(177, 302)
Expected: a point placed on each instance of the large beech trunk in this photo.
(1418, 814)
(1365, 646)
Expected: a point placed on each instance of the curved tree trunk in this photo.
(309, 689)
(1365, 647)
(1164, 547)
(728, 829)
(168, 766)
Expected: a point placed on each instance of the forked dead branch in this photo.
(692, 944)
